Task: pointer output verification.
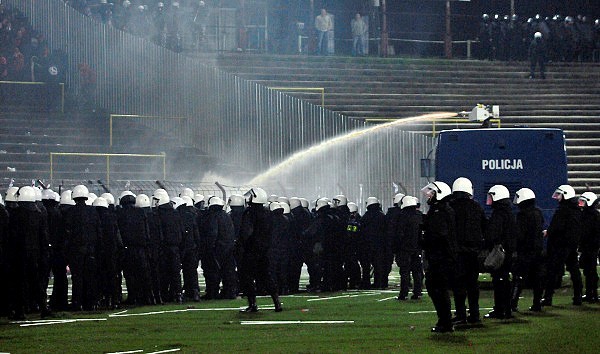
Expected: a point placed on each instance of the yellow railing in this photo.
(124, 116)
(108, 156)
(62, 89)
(433, 121)
(299, 89)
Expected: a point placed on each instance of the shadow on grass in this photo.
(450, 338)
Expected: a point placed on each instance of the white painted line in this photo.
(186, 310)
(419, 312)
(387, 298)
(57, 321)
(344, 296)
(45, 323)
(292, 322)
(166, 351)
(120, 312)
(128, 352)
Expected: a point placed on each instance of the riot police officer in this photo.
(221, 236)
(300, 221)
(470, 223)
(379, 244)
(439, 245)
(589, 245)
(408, 247)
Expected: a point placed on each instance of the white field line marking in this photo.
(419, 312)
(174, 311)
(387, 298)
(60, 322)
(128, 352)
(292, 322)
(120, 312)
(166, 351)
(343, 296)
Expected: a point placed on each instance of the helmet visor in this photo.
(428, 192)
(490, 199)
(582, 202)
(558, 195)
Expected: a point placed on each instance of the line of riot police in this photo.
(568, 39)
(457, 237)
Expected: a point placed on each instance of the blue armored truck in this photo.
(514, 157)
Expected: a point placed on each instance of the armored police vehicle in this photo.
(513, 157)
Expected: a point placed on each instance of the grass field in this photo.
(380, 324)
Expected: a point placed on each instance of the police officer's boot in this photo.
(277, 303)
(251, 305)
(196, 295)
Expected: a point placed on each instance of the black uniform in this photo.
(502, 229)
(392, 219)
(4, 233)
(439, 245)
(537, 56)
(170, 225)
(255, 241)
(219, 253)
(529, 265)
(58, 263)
(27, 255)
(378, 248)
(563, 238)
(111, 251)
(408, 251)
(133, 225)
(82, 245)
(189, 260)
(154, 253)
(300, 221)
(352, 243)
(470, 224)
(280, 250)
(323, 233)
(236, 213)
(588, 246)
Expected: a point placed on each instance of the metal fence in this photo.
(246, 128)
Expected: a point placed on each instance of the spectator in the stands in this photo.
(359, 35)
(17, 66)
(324, 26)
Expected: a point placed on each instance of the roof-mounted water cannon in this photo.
(482, 112)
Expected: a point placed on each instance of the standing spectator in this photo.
(537, 55)
(324, 26)
(17, 65)
(359, 35)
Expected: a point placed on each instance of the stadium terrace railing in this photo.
(247, 128)
(108, 161)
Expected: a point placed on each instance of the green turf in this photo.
(380, 326)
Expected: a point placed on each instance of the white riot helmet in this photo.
(236, 200)
(272, 198)
(436, 191)
(187, 192)
(587, 199)
(408, 201)
(26, 194)
(563, 192)
(100, 202)
(198, 198)
(295, 202)
(371, 201)
(257, 196)
(286, 208)
(177, 202)
(161, 198)
(11, 194)
(80, 191)
(462, 184)
(340, 200)
(321, 202)
(1, 201)
(283, 200)
(522, 195)
(304, 202)
(537, 35)
(65, 198)
(215, 201)
(56, 197)
(91, 198)
(47, 194)
(126, 193)
(38, 194)
(159, 191)
(496, 193)
(110, 199)
(275, 205)
(352, 207)
(397, 198)
(188, 201)
(142, 201)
